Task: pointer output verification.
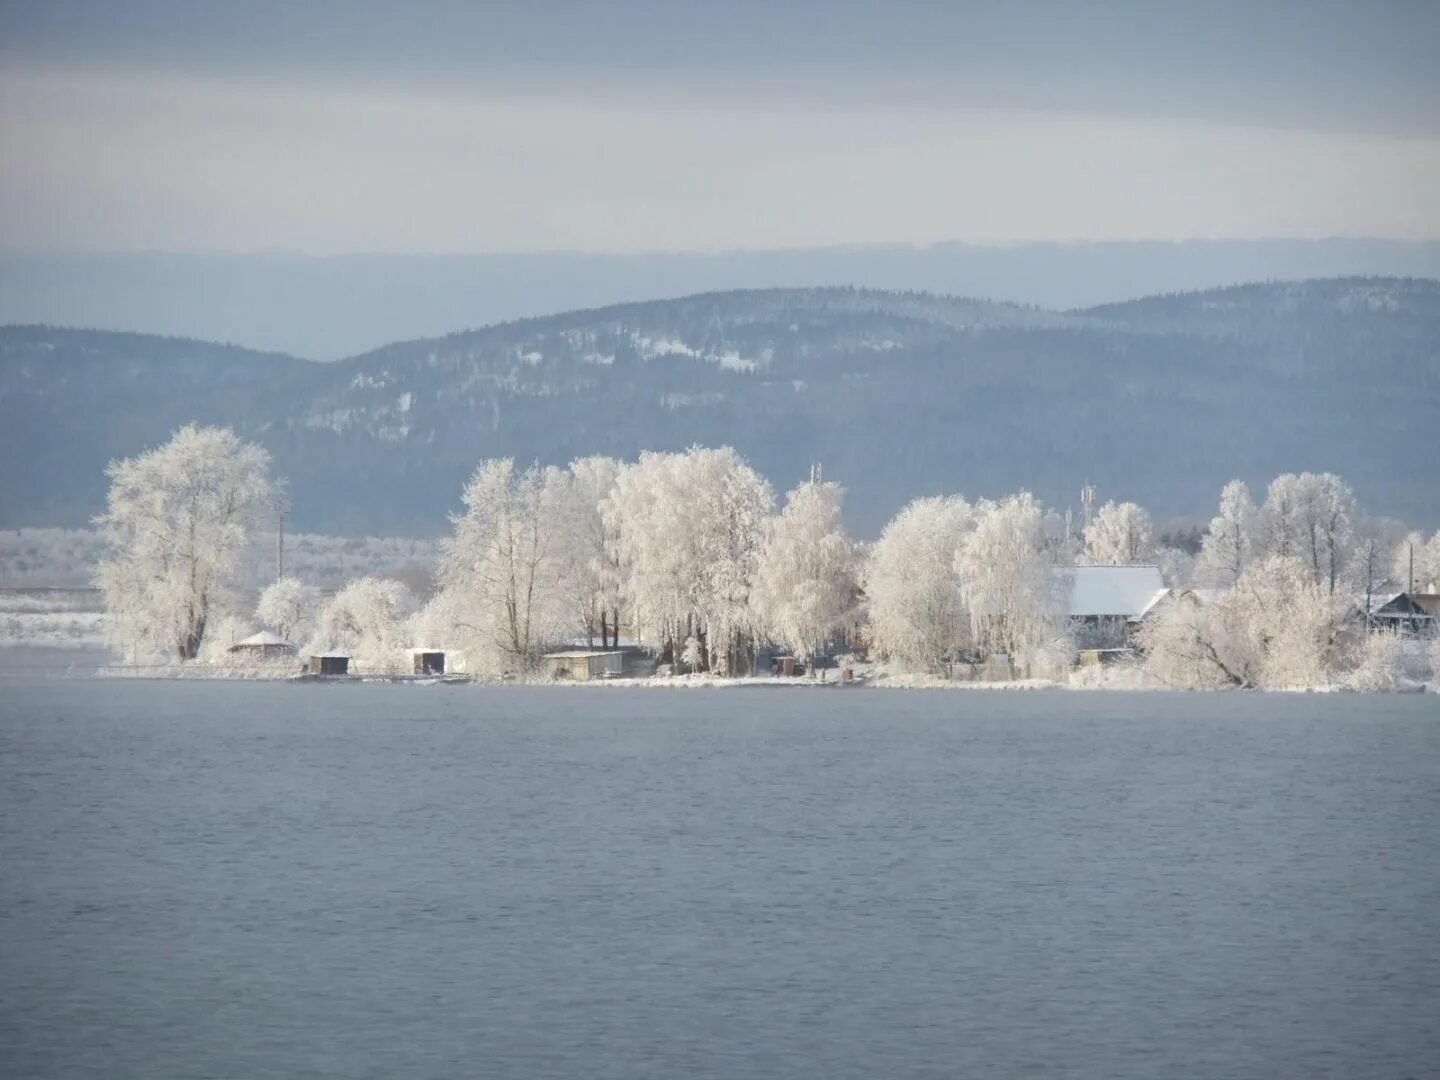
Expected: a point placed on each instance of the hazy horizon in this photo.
(444, 128)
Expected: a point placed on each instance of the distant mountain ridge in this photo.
(327, 307)
(899, 394)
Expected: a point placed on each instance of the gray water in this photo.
(251, 880)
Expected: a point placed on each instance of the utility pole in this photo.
(280, 545)
(1411, 582)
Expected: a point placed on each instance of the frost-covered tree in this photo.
(1327, 517)
(367, 619)
(1120, 534)
(1417, 559)
(1184, 645)
(1277, 524)
(502, 569)
(178, 522)
(222, 633)
(1311, 517)
(289, 607)
(1277, 628)
(589, 557)
(1373, 554)
(1226, 549)
(916, 618)
(693, 655)
(689, 529)
(1062, 546)
(805, 588)
(1014, 598)
(1177, 566)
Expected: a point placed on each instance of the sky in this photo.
(326, 127)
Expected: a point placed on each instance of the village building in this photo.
(329, 664)
(582, 665)
(262, 646)
(1107, 603)
(427, 661)
(1411, 615)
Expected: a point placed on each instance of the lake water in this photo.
(262, 880)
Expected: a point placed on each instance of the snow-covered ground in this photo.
(51, 618)
(35, 557)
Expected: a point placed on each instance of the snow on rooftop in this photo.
(264, 637)
(1128, 591)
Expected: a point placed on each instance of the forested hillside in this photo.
(1160, 400)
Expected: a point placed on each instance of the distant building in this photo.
(329, 664)
(263, 646)
(1415, 615)
(427, 661)
(1107, 603)
(582, 665)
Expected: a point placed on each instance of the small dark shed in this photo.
(428, 661)
(330, 664)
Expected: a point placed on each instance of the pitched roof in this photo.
(264, 637)
(1409, 604)
(1116, 591)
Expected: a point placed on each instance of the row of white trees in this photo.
(687, 552)
(950, 579)
(685, 548)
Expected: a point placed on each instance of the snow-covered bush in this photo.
(1380, 663)
(1185, 648)
(1277, 629)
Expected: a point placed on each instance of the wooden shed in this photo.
(329, 664)
(582, 665)
(427, 661)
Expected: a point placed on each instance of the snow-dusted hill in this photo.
(898, 394)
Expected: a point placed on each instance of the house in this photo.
(262, 646)
(427, 661)
(329, 664)
(1106, 603)
(582, 665)
(1414, 615)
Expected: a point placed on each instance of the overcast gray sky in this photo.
(325, 127)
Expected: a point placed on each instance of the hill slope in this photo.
(1160, 400)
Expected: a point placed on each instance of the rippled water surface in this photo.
(249, 880)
